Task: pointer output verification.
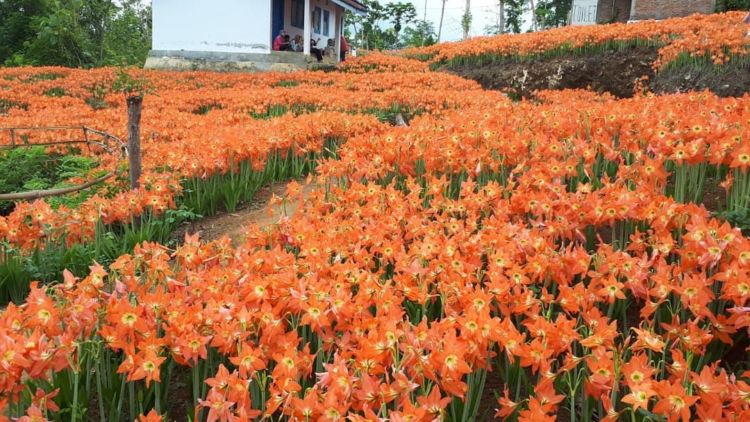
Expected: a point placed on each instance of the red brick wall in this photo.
(661, 9)
(613, 11)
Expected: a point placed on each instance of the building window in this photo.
(298, 14)
(316, 18)
(326, 22)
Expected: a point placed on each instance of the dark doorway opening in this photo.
(277, 18)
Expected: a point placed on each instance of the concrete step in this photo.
(275, 61)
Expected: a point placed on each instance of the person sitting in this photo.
(314, 50)
(330, 50)
(297, 44)
(286, 45)
(278, 42)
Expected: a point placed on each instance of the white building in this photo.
(241, 32)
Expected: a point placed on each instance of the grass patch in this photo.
(6, 105)
(204, 109)
(561, 51)
(55, 92)
(286, 84)
(44, 76)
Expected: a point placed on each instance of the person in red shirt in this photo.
(280, 42)
(344, 48)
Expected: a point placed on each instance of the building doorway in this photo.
(277, 18)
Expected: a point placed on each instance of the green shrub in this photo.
(55, 92)
(25, 169)
(45, 76)
(6, 105)
(203, 109)
(738, 218)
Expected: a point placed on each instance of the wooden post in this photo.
(135, 104)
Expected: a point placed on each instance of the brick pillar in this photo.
(663, 9)
(609, 11)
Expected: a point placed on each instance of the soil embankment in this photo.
(616, 72)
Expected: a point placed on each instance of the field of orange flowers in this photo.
(568, 257)
(717, 37)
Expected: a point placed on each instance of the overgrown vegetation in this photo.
(6, 105)
(389, 26)
(727, 5)
(25, 169)
(201, 196)
(74, 33)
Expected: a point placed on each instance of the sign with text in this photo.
(583, 12)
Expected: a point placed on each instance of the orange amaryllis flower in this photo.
(152, 416)
(639, 396)
(674, 402)
(219, 409)
(144, 366)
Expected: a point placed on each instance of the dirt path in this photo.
(259, 211)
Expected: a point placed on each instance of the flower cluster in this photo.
(196, 125)
(537, 261)
(380, 62)
(720, 36)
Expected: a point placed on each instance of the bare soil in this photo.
(259, 212)
(614, 72)
(725, 81)
(488, 403)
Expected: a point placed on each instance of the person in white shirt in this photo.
(297, 44)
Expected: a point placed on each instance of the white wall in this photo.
(232, 26)
(335, 13)
(583, 12)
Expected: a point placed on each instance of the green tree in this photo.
(76, 33)
(61, 38)
(128, 39)
(16, 18)
(466, 19)
(380, 27)
(366, 27)
(422, 34)
(727, 5)
(552, 13)
(400, 14)
(514, 10)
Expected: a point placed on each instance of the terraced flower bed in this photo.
(573, 256)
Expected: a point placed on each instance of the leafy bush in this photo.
(739, 218)
(24, 169)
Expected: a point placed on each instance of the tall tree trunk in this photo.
(424, 19)
(533, 16)
(466, 21)
(440, 27)
(501, 17)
